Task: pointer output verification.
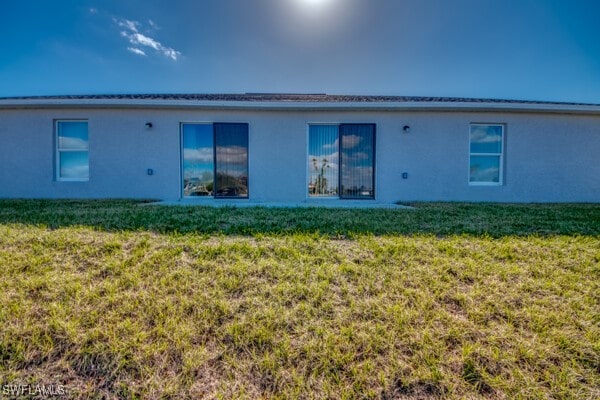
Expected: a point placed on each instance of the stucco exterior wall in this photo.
(548, 157)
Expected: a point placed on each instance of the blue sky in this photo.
(514, 49)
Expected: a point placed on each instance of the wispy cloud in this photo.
(131, 31)
(93, 10)
(135, 50)
(127, 24)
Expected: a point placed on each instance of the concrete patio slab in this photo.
(309, 203)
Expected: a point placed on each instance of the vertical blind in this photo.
(357, 146)
(323, 160)
(341, 160)
(231, 159)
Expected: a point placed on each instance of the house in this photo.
(295, 148)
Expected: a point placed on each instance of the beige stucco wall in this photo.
(548, 157)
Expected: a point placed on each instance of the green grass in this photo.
(117, 300)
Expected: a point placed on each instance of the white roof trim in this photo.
(300, 105)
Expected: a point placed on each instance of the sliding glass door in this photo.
(341, 161)
(215, 159)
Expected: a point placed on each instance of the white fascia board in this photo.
(299, 106)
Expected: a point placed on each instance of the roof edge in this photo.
(437, 104)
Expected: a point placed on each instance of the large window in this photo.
(486, 154)
(215, 159)
(341, 161)
(72, 151)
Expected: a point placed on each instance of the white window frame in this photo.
(499, 155)
(58, 151)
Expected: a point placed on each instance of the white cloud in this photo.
(228, 154)
(490, 174)
(483, 135)
(203, 155)
(132, 33)
(355, 156)
(138, 38)
(135, 50)
(67, 142)
(351, 141)
(232, 154)
(75, 171)
(333, 145)
(153, 24)
(171, 53)
(93, 10)
(127, 24)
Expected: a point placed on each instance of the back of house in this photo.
(293, 148)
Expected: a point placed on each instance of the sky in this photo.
(506, 49)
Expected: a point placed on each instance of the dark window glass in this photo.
(231, 160)
(357, 146)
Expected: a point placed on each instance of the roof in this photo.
(294, 97)
(316, 101)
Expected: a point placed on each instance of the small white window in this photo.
(72, 151)
(486, 147)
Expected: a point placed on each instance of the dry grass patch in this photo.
(140, 314)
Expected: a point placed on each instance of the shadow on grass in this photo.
(427, 218)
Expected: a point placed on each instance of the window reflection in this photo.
(231, 160)
(74, 165)
(485, 169)
(323, 160)
(485, 158)
(215, 150)
(358, 160)
(72, 151)
(341, 160)
(198, 165)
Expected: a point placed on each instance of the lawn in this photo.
(113, 299)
